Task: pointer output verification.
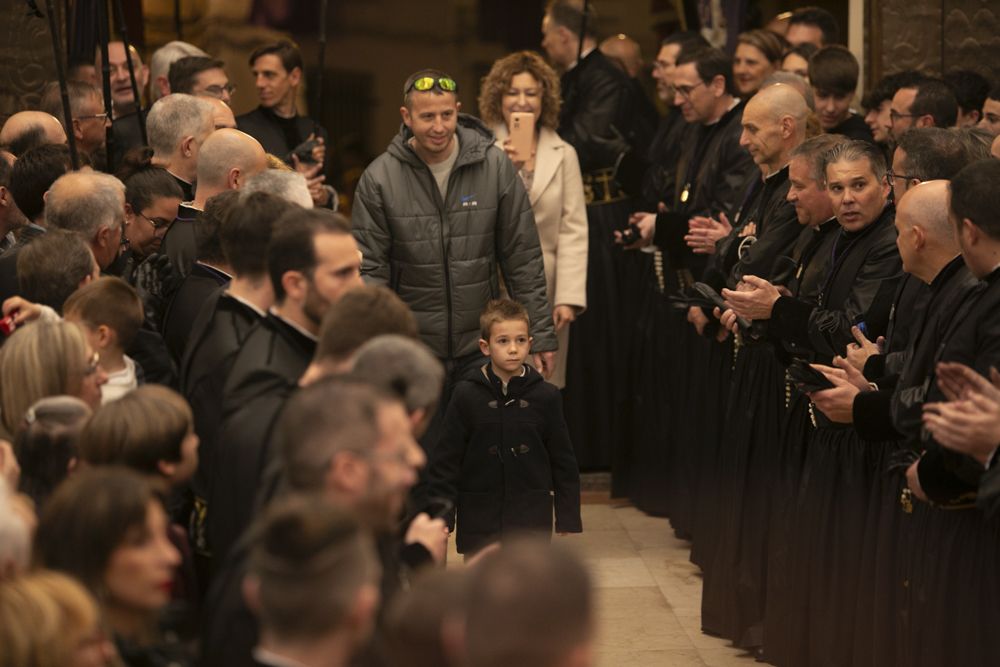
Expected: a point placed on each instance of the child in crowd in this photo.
(46, 444)
(506, 448)
(110, 313)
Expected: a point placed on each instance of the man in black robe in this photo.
(312, 260)
(598, 118)
(833, 497)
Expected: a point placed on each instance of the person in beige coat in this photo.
(524, 82)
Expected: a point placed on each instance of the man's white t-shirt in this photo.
(442, 170)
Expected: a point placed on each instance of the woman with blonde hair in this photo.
(523, 82)
(47, 619)
(45, 359)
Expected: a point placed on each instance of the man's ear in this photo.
(166, 468)
(234, 179)
(919, 237)
(787, 126)
(105, 335)
(77, 130)
(187, 146)
(484, 346)
(718, 85)
(926, 120)
(163, 85)
(250, 587)
(405, 115)
(295, 285)
(295, 76)
(972, 232)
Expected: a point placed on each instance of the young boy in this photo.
(110, 313)
(505, 447)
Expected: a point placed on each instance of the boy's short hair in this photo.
(501, 310)
(110, 302)
(834, 69)
(138, 430)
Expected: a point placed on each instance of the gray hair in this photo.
(177, 116)
(79, 93)
(15, 535)
(856, 149)
(84, 202)
(288, 185)
(402, 366)
(167, 55)
(814, 152)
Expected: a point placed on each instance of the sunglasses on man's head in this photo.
(425, 83)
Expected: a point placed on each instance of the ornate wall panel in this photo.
(26, 62)
(935, 36)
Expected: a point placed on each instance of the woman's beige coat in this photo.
(561, 216)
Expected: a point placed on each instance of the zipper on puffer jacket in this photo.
(436, 193)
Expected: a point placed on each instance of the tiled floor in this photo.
(648, 594)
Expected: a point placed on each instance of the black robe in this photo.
(217, 334)
(280, 136)
(832, 506)
(185, 305)
(264, 374)
(598, 118)
(179, 243)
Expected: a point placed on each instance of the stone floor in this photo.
(648, 594)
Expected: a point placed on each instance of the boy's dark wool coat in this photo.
(502, 456)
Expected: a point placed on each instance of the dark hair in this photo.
(33, 173)
(805, 50)
(819, 18)
(933, 153)
(359, 316)
(976, 197)
(528, 604)
(413, 622)
(46, 443)
(144, 181)
(834, 69)
(207, 238)
(88, 517)
(32, 137)
(108, 301)
(970, 88)
(501, 310)
(887, 86)
(293, 246)
(770, 43)
(994, 93)
(183, 72)
(51, 267)
(5, 171)
(138, 430)
(709, 63)
(567, 14)
(433, 73)
(286, 51)
(936, 99)
(245, 232)
(687, 39)
(310, 559)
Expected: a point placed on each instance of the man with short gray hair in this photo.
(177, 126)
(89, 122)
(91, 204)
(289, 185)
(159, 65)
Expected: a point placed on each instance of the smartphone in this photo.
(522, 134)
(709, 294)
(808, 378)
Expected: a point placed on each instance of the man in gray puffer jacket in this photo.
(438, 214)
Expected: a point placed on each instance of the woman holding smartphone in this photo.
(520, 102)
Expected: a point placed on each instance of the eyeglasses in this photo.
(891, 174)
(157, 223)
(425, 83)
(219, 91)
(685, 91)
(895, 115)
(102, 116)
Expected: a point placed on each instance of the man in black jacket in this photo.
(312, 260)
(276, 123)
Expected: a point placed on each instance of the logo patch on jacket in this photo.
(468, 201)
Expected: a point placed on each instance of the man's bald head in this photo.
(27, 129)
(926, 238)
(227, 158)
(774, 122)
(626, 51)
(222, 115)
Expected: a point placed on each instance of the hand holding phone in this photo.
(522, 135)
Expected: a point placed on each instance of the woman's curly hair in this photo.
(495, 84)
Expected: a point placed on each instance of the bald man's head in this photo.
(27, 129)
(625, 51)
(222, 115)
(926, 238)
(774, 122)
(227, 158)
